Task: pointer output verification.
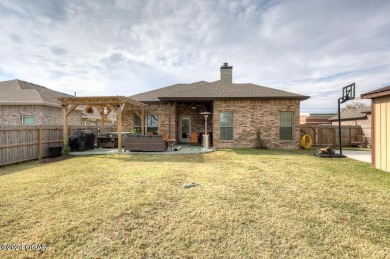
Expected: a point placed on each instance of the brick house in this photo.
(91, 117)
(237, 110)
(360, 116)
(314, 119)
(23, 103)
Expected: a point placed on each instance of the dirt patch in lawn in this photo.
(54, 159)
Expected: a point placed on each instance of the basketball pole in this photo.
(348, 94)
(341, 149)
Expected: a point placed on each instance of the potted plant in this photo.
(260, 141)
(136, 131)
(65, 150)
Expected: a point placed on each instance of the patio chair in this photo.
(361, 141)
(165, 135)
(194, 138)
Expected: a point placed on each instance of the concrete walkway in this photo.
(364, 156)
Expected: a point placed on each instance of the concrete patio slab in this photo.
(364, 156)
(176, 150)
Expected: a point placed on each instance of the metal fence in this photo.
(329, 135)
(22, 143)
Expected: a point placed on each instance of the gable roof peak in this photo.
(24, 93)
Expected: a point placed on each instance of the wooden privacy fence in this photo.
(18, 144)
(329, 135)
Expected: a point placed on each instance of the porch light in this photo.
(206, 135)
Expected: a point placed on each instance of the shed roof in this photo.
(384, 91)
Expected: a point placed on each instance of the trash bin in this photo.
(55, 151)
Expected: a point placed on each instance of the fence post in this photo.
(40, 137)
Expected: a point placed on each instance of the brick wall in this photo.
(11, 115)
(197, 120)
(253, 115)
(161, 109)
(366, 122)
(249, 116)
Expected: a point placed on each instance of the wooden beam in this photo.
(118, 112)
(169, 120)
(65, 127)
(40, 138)
(119, 124)
(113, 108)
(67, 110)
(139, 114)
(143, 122)
(70, 108)
(101, 112)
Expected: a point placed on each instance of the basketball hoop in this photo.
(348, 94)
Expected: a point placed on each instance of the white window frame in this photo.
(28, 116)
(146, 122)
(220, 126)
(285, 125)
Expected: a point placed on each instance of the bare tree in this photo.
(353, 105)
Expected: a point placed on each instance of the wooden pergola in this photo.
(102, 103)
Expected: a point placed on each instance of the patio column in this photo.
(143, 122)
(67, 110)
(65, 128)
(118, 112)
(101, 111)
(169, 120)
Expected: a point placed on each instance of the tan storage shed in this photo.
(380, 119)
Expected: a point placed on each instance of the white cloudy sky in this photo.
(124, 47)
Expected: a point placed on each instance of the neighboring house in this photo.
(356, 117)
(238, 112)
(93, 118)
(359, 116)
(314, 119)
(23, 103)
(380, 109)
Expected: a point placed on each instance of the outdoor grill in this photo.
(81, 140)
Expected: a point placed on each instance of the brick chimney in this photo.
(226, 73)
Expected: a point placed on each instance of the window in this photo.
(137, 123)
(28, 120)
(152, 124)
(226, 125)
(286, 123)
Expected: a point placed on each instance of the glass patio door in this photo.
(185, 126)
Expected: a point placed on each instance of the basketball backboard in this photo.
(348, 93)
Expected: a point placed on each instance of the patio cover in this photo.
(113, 103)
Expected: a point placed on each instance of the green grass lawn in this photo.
(248, 204)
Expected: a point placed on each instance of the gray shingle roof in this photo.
(215, 90)
(21, 92)
(353, 114)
